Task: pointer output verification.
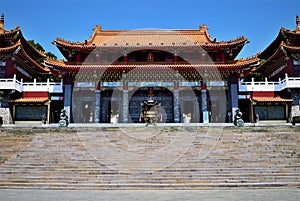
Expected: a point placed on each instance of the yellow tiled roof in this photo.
(150, 38)
(29, 100)
(271, 99)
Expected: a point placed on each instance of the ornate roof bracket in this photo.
(283, 50)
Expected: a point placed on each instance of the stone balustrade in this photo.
(14, 84)
(287, 82)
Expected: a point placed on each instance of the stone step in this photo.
(186, 178)
(70, 159)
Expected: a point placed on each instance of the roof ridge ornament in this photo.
(97, 28)
(2, 22)
(202, 27)
(297, 23)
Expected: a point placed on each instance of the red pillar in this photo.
(176, 86)
(78, 57)
(203, 87)
(290, 67)
(175, 58)
(125, 85)
(125, 58)
(222, 57)
(9, 71)
(98, 86)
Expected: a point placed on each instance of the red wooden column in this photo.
(78, 57)
(222, 56)
(175, 57)
(290, 67)
(9, 69)
(125, 58)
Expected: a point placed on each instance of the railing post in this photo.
(48, 84)
(22, 85)
(15, 81)
(286, 80)
(15, 78)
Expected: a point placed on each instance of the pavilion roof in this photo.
(13, 42)
(277, 59)
(149, 39)
(23, 59)
(15, 35)
(285, 36)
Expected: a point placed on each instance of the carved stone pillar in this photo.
(125, 103)
(97, 107)
(205, 115)
(176, 103)
(68, 100)
(234, 100)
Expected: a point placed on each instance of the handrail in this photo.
(14, 84)
(287, 82)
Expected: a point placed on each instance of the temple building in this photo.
(22, 98)
(273, 85)
(108, 76)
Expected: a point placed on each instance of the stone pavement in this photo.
(105, 125)
(148, 195)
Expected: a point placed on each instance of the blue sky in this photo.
(257, 20)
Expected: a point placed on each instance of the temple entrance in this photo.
(160, 94)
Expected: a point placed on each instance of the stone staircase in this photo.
(150, 158)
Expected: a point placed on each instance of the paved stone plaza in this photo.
(149, 195)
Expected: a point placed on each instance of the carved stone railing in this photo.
(14, 84)
(287, 82)
(11, 83)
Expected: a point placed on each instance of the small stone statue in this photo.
(44, 119)
(63, 122)
(238, 121)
